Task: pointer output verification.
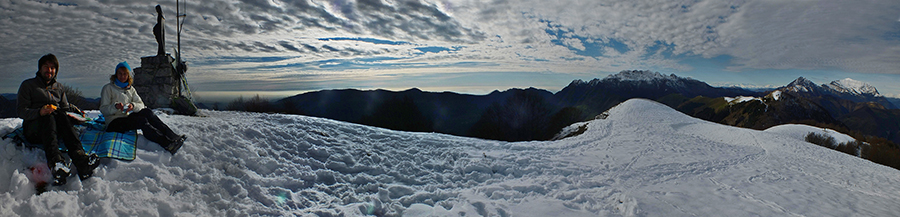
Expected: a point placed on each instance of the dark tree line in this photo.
(525, 116)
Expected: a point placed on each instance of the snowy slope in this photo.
(643, 159)
(742, 99)
(799, 131)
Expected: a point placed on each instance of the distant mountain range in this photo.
(535, 114)
(851, 106)
(837, 92)
(895, 101)
(415, 110)
(8, 104)
(598, 95)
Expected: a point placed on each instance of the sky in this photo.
(281, 48)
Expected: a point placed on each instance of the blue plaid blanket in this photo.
(110, 144)
(94, 140)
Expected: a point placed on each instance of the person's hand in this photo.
(47, 109)
(130, 107)
(120, 106)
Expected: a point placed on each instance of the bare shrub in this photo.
(236, 104)
(258, 104)
(821, 140)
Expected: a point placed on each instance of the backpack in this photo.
(183, 106)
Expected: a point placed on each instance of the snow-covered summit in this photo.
(801, 84)
(742, 99)
(844, 89)
(799, 132)
(634, 75)
(639, 75)
(853, 87)
(843, 86)
(644, 159)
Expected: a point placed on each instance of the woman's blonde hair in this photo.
(114, 78)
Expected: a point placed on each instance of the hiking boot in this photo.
(60, 172)
(94, 161)
(175, 145)
(86, 166)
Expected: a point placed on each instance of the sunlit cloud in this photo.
(231, 42)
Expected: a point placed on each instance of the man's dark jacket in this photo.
(34, 93)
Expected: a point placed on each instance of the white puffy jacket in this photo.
(112, 94)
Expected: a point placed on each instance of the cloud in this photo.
(757, 34)
(814, 35)
(567, 36)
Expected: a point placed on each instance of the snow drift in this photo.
(643, 159)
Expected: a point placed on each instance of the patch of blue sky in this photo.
(661, 48)
(615, 44)
(432, 49)
(718, 63)
(438, 49)
(592, 47)
(714, 71)
(369, 40)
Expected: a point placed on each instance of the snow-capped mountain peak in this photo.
(582, 82)
(638, 75)
(854, 87)
(801, 84)
(844, 89)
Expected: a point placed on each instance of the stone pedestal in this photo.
(156, 81)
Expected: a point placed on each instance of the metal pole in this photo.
(178, 42)
(178, 25)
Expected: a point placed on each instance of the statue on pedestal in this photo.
(162, 77)
(159, 30)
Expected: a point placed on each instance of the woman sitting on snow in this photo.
(124, 110)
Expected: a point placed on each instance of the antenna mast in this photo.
(180, 16)
(178, 23)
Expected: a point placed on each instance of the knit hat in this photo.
(122, 64)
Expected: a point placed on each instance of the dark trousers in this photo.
(154, 129)
(48, 129)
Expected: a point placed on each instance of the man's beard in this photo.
(46, 79)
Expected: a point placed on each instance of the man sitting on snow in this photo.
(42, 104)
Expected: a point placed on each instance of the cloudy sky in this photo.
(278, 48)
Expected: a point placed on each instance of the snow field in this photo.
(643, 159)
(742, 99)
(799, 131)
